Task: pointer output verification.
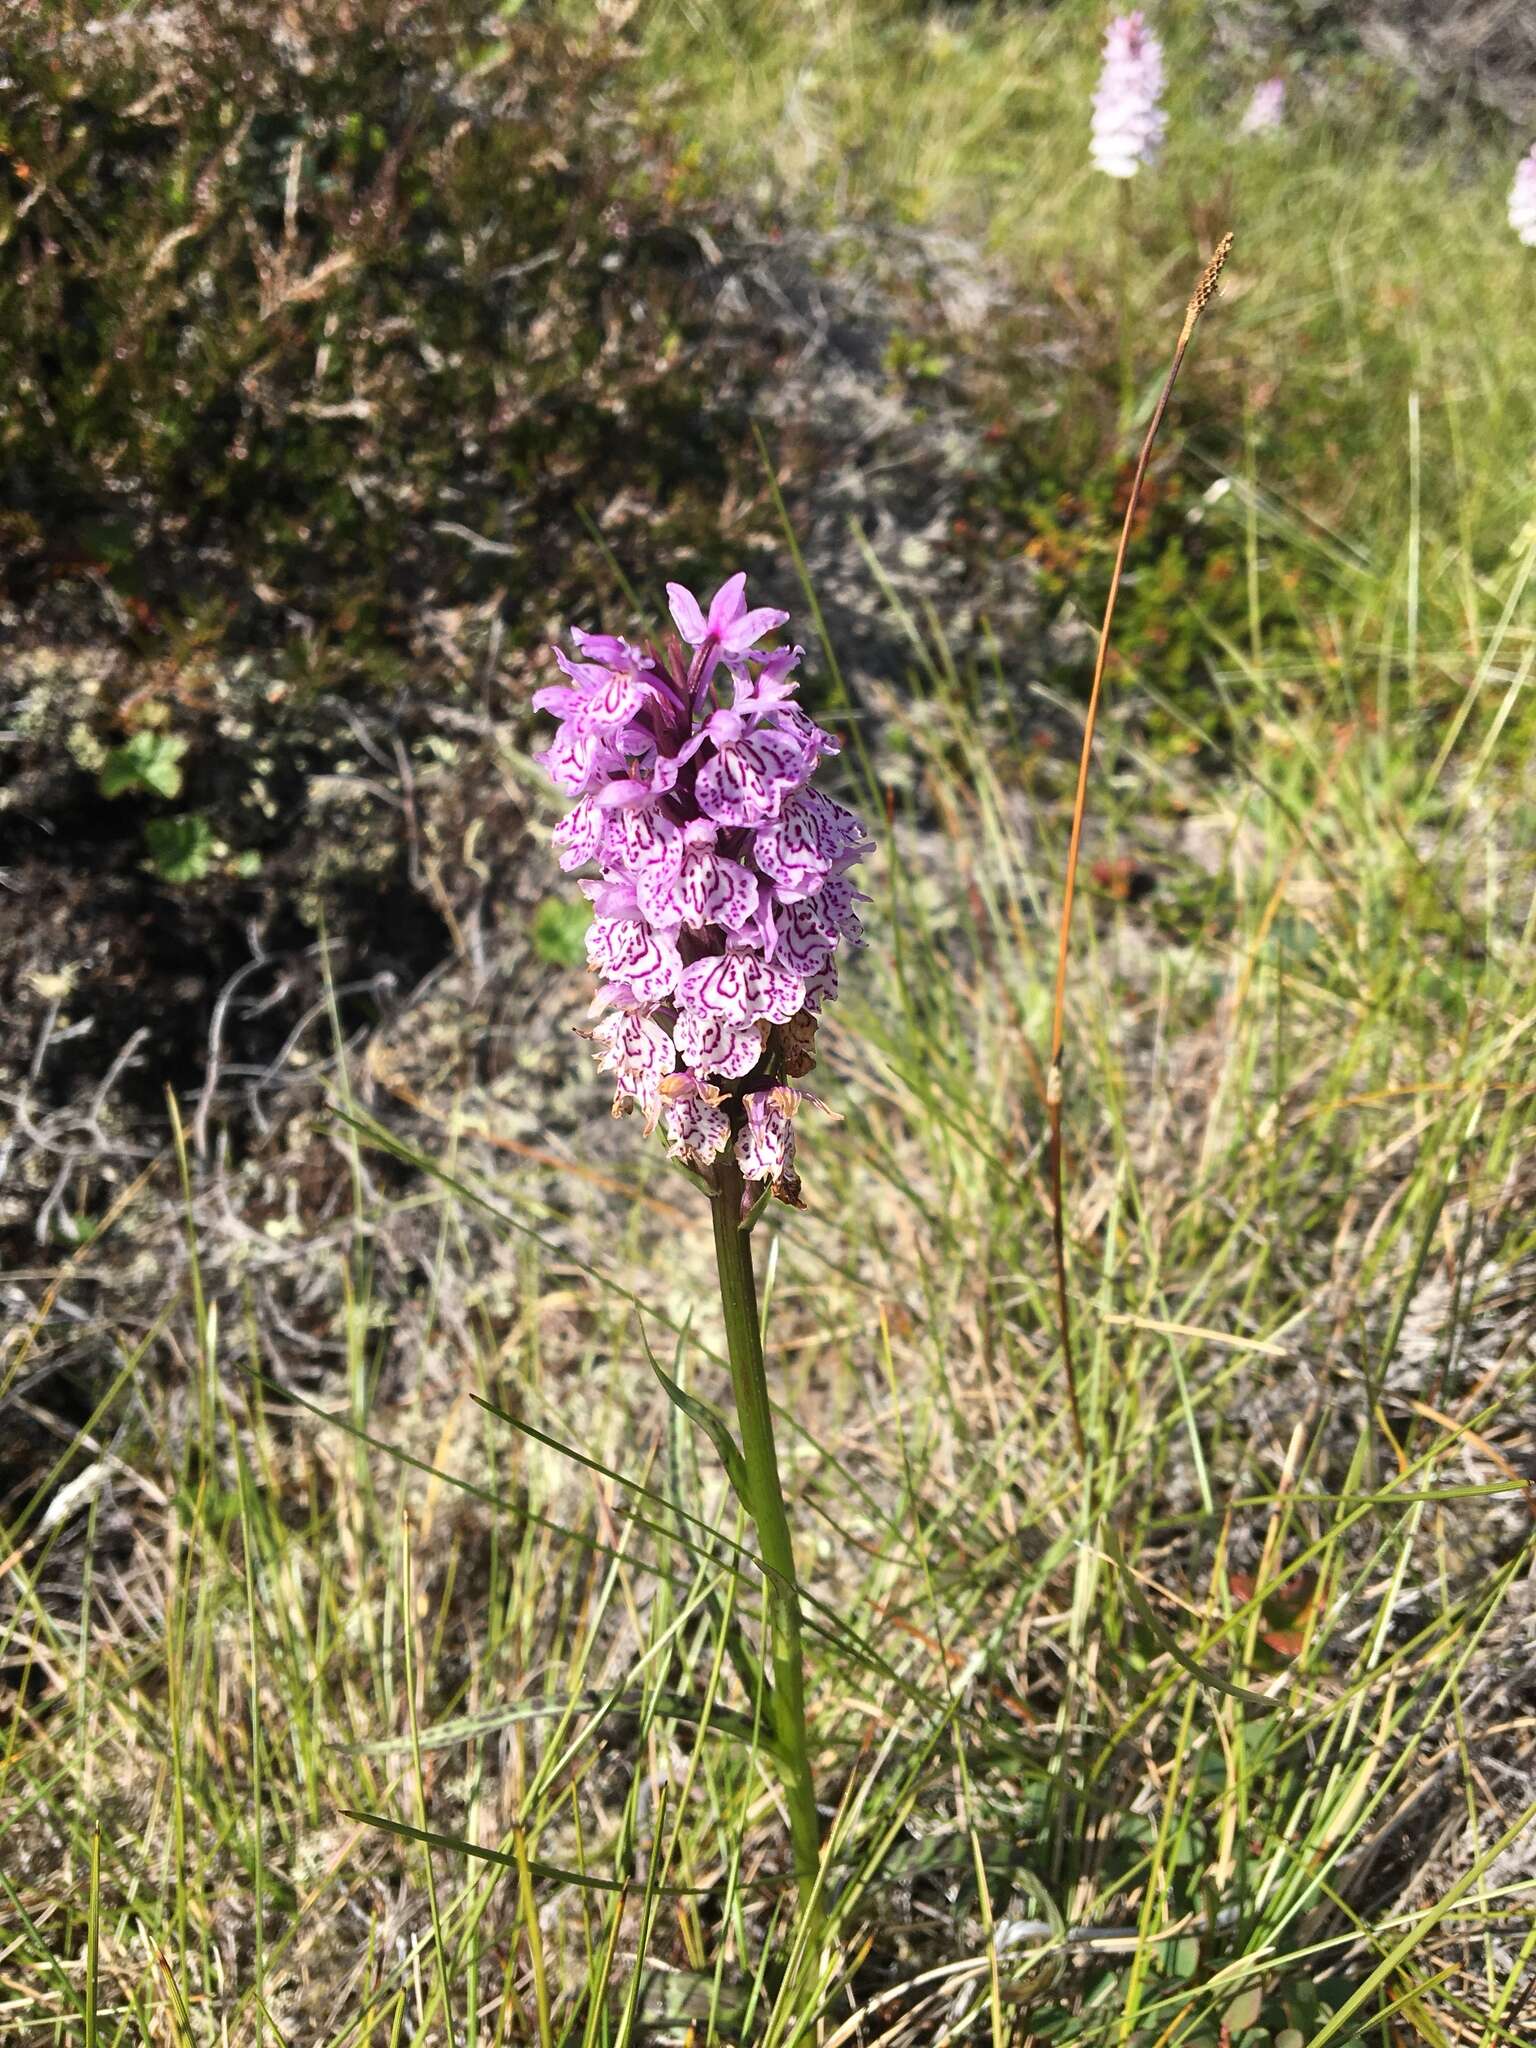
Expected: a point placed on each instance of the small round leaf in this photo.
(1243, 2012)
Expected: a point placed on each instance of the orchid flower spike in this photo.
(1128, 119)
(1522, 200)
(1266, 110)
(721, 893)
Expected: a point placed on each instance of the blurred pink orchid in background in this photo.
(1522, 200)
(1128, 120)
(1266, 110)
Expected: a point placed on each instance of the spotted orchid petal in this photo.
(1128, 118)
(629, 1043)
(710, 1044)
(626, 948)
(697, 1129)
(765, 1145)
(795, 851)
(652, 843)
(749, 778)
(740, 988)
(635, 1090)
(821, 986)
(584, 834)
(802, 946)
(578, 760)
(706, 889)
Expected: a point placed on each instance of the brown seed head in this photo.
(1205, 290)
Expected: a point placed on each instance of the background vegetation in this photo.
(350, 352)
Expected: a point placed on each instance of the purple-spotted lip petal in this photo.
(749, 778)
(740, 987)
(711, 1045)
(696, 1130)
(701, 888)
(765, 1145)
(631, 951)
(628, 1042)
(803, 945)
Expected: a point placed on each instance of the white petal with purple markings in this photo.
(741, 988)
(709, 1044)
(748, 780)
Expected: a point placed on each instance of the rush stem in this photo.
(765, 1504)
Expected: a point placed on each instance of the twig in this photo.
(1203, 293)
(215, 1038)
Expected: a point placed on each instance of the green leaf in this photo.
(148, 761)
(1184, 1958)
(1291, 2038)
(1244, 2009)
(714, 1426)
(550, 1872)
(180, 849)
(709, 1419)
(559, 931)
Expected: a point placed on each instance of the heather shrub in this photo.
(321, 328)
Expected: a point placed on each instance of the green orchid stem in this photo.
(765, 1504)
(1123, 310)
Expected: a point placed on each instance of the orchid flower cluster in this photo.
(1265, 112)
(1522, 200)
(722, 892)
(1128, 118)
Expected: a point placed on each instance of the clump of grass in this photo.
(317, 333)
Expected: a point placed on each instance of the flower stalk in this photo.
(765, 1504)
(1201, 297)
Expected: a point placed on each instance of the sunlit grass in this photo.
(1374, 273)
(1298, 1113)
